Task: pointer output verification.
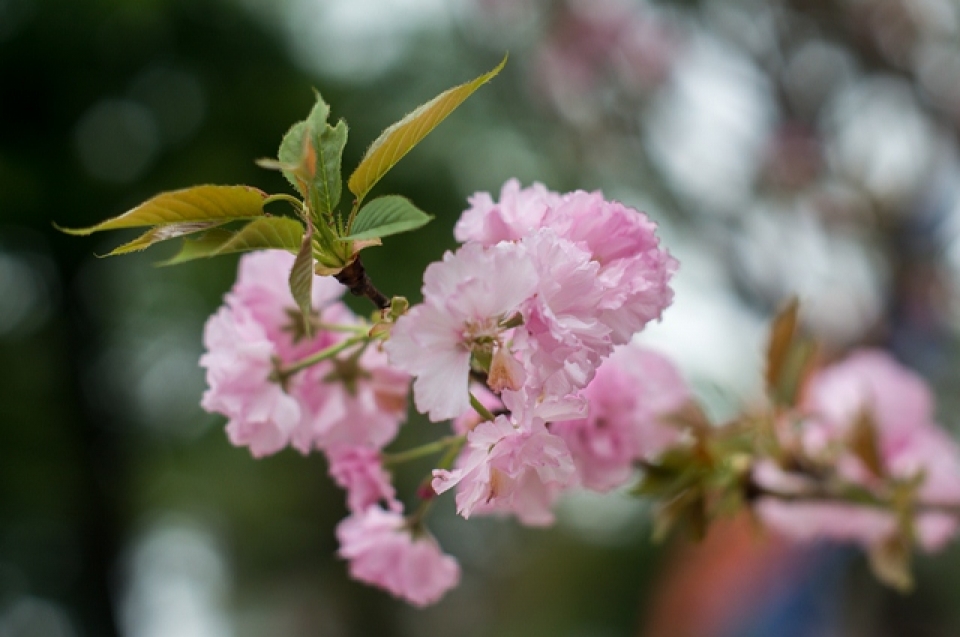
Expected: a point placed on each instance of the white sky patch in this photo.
(838, 278)
(880, 138)
(712, 338)
(708, 129)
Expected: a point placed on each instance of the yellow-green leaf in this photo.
(279, 233)
(260, 234)
(200, 203)
(397, 140)
(206, 245)
(163, 233)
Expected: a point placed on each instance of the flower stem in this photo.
(423, 450)
(283, 373)
(480, 409)
(293, 201)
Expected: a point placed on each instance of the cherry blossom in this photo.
(509, 468)
(383, 552)
(632, 392)
(355, 398)
(467, 298)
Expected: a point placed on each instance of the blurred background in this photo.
(784, 146)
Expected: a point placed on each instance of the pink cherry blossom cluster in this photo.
(905, 446)
(532, 319)
(524, 341)
(543, 289)
(349, 407)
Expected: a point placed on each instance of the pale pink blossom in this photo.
(260, 414)
(382, 551)
(262, 289)
(507, 468)
(634, 272)
(632, 393)
(562, 340)
(352, 399)
(359, 471)
(467, 298)
(470, 418)
(519, 213)
(899, 405)
(807, 521)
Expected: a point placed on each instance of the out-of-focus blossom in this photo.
(261, 415)
(868, 389)
(383, 552)
(359, 471)
(352, 399)
(631, 393)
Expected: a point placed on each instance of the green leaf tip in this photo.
(196, 204)
(163, 233)
(398, 139)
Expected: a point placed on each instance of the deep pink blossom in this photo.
(632, 392)
(383, 552)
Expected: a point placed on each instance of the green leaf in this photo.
(329, 182)
(260, 234)
(200, 203)
(301, 280)
(397, 140)
(163, 233)
(385, 216)
(310, 157)
(207, 245)
(297, 152)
